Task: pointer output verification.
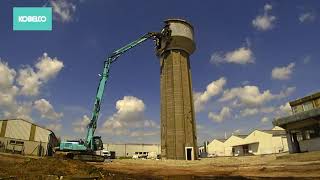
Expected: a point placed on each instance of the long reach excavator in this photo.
(91, 149)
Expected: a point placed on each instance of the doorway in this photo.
(189, 153)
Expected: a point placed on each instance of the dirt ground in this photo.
(293, 166)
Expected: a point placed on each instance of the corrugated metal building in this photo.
(21, 136)
(128, 150)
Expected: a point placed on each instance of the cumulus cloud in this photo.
(30, 80)
(54, 126)
(14, 87)
(63, 10)
(7, 75)
(264, 22)
(249, 112)
(282, 73)
(285, 109)
(130, 114)
(307, 17)
(212, 89)
(48, 67)
(224, 113)
(81, 124)
(251, 96)
(46, 110)
(242, 55)
(253, 111)
(264, 119)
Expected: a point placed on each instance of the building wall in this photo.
(231, 141)
(265, 142)
(216, 147)
(310, 145)
(28, 147)
(33, 140)
(18, 129)
(41, 135)
(128, 150)
(258, 142)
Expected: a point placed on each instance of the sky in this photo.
(252, 58)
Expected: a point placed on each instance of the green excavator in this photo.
(91, 149)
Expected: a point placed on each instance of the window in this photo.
(13, 142)
(19, 142)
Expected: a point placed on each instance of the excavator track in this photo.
(79, 156)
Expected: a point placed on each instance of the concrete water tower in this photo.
(178, 126)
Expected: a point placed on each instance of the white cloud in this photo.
(7, 75)
(282, 73)
(213, 89)
(13, 103)
(143, 133)
(81, 124)
(63, 10)
(265, 120)
(48, 67)
(242, 55)
(31, 80)
(46, 110)
(130, 114)
(224, 113)
(249, 112)
(307, 17)
(54, 127)
(285, 109)
(253, 111)
(267, 7)
(264, 22)
(306, 59)
(251, 95)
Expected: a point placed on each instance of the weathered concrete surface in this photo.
(178, 129)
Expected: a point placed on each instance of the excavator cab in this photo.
(97, 143)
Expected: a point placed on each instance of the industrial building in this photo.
(23, 137)
(303, 126)
(256, 143)
(128, 150)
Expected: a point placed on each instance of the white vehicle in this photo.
(106, 154)
(152, 155)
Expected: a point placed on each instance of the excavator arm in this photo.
(103, 79)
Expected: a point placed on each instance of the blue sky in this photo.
(252, 58)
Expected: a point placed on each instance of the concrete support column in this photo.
(290, 144)
(178, 130)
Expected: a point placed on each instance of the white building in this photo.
(24, 137)
(256, 143)
(128, 150)
(303, 125)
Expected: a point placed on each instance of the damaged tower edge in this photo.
(178, 126)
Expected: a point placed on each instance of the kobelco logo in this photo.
(32, 18)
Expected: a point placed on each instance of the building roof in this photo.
(297, 117)
(305, 99)
(241, 135)
(221, 140)
(275, 132)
